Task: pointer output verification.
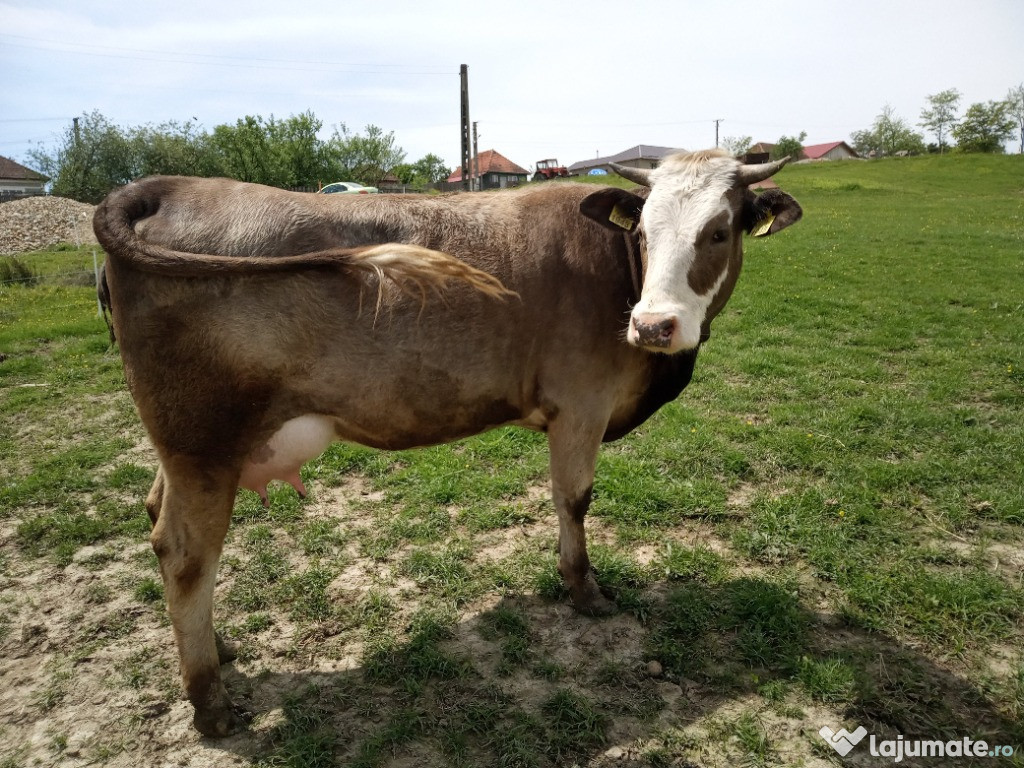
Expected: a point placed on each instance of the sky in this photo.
(546, 79)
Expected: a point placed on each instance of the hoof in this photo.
(587, 599)
(216, 724)
(226, 652)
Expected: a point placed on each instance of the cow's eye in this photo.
(720, 236)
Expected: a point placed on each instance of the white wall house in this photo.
(18, 181)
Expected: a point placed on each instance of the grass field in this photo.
(826, 529)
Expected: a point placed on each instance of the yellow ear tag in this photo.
(619, 218)
(762, 227)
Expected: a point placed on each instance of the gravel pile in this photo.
(34, 223)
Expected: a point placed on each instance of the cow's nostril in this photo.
(654, 331)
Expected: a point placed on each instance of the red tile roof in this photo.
(12, 170)
(817, 151)
(491, 161)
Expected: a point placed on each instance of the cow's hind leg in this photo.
(225, 651)
(187, 537)
(574, 446)
(155, 499)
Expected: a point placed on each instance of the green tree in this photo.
(281, 153)
(941, 118)
(365, 158)
(302, 158)
(789, 146)
(97, 156)
(89, 161)
(737, 145)
(1015, 98)
(243, 149)
(430, 169)
(888, 135)
(985, 127)
(174, 148)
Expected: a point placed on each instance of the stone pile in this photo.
(35, 223)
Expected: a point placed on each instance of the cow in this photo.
(257, 325)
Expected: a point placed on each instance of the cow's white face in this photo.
(693, 254)
(691, 228)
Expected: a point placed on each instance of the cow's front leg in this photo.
(574, 445)
(192, 520)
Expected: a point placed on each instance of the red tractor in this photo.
(549, 169)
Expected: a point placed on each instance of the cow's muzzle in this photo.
(655, 331)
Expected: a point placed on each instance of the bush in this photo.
(13, 270)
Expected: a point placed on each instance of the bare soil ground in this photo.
(90, 674)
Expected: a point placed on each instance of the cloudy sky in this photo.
(546, 79)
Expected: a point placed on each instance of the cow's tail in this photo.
(405, 265)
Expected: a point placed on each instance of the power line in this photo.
(219, 60)
(33, 119)
(590, 123)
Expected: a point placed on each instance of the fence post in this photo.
(96, 269)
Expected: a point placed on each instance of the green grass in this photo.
(828, 520)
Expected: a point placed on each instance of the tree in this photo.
(985, 127)
(1015, 98)
(281, 153)
(888, 135)
(175, 149)
(93, 157)
(429, 169)
(365, 159)
(737, 145)
(789, 146)
(942, 115)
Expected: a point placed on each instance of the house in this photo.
(494, 170)
(834, 150)
(640, 156)
(759, 153)
(18, 181)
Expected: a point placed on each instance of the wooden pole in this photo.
(466, 159)
(477, 185)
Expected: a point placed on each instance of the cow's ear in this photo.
(770, 212)
(613, 208)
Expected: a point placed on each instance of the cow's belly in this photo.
(401, 425)
(305, 437)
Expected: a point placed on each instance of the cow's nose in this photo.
(654, 330)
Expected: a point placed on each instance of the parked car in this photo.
(347, 188)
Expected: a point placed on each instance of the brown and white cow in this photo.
(257, 325)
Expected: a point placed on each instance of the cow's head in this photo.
(691, 227)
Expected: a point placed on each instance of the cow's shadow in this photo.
(530, 682)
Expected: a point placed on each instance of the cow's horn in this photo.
(751, 174)
(641, 176)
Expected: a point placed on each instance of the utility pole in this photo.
(477, 186)
(716, 132)
(466, 160)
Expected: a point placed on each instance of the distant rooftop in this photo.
(10, 170)
(491, 161)
(639, 152)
